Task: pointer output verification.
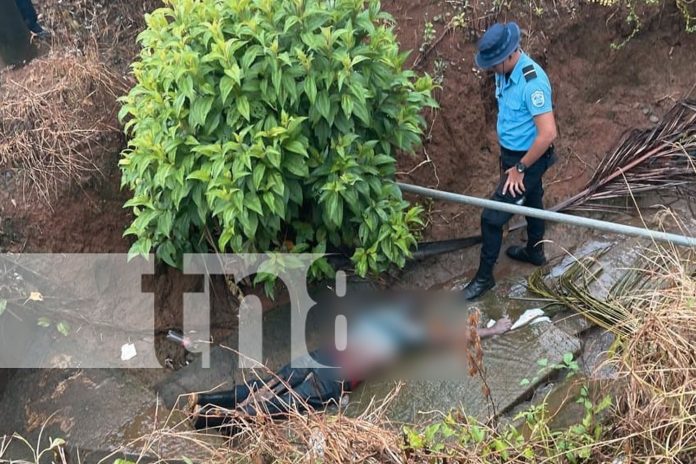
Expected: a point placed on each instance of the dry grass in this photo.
(303, 437)
(59, 111)
(110, 26)
(56, 112)
(656, 414)
(319, 436)
(653, 312)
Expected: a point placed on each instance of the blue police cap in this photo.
(497, 43)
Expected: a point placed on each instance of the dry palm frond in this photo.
(660, 158)
(54, 113)
(571, 289)
(651, 275)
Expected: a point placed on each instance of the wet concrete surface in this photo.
(593, 361)
(562, 407)
(514, 356)
(86, 407)
(508, 360)
(106, 409)
(116, 409)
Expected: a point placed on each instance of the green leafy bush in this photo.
(271, 125)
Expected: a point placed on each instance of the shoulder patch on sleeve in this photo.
(529, 72)
(538, 98)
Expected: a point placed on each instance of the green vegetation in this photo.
(530, 438)
(44, 449)
(268, 125)
(428, 36)
(439, 68)
(634, 16)
(19, 301)
(567, 363)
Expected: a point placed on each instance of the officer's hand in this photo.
(514, 182)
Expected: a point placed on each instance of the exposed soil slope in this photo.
(599, 93)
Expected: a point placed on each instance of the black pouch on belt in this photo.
(550, 156)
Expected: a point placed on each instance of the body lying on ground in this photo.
(385, 330)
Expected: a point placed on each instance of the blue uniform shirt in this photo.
(521, 98)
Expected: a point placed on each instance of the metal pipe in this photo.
(549, 215)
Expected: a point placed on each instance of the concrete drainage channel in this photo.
(513, 371)
(104, 410)
(5, 375)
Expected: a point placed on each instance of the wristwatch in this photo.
(520, 167)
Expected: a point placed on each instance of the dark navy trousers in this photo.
(26, 8)
(492, 222)
(301, 389)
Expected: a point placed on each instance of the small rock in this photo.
(317, 443)
(654, 119)
(646, 110)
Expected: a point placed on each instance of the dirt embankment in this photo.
(599, 93)
(85, 212)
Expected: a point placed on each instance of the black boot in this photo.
(224, 399)
(482, 282)
(533, 255)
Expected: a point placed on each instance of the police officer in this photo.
(526, 130)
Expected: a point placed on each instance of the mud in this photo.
(599, 93)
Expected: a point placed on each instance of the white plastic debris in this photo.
(128, 352)
(530, 316)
